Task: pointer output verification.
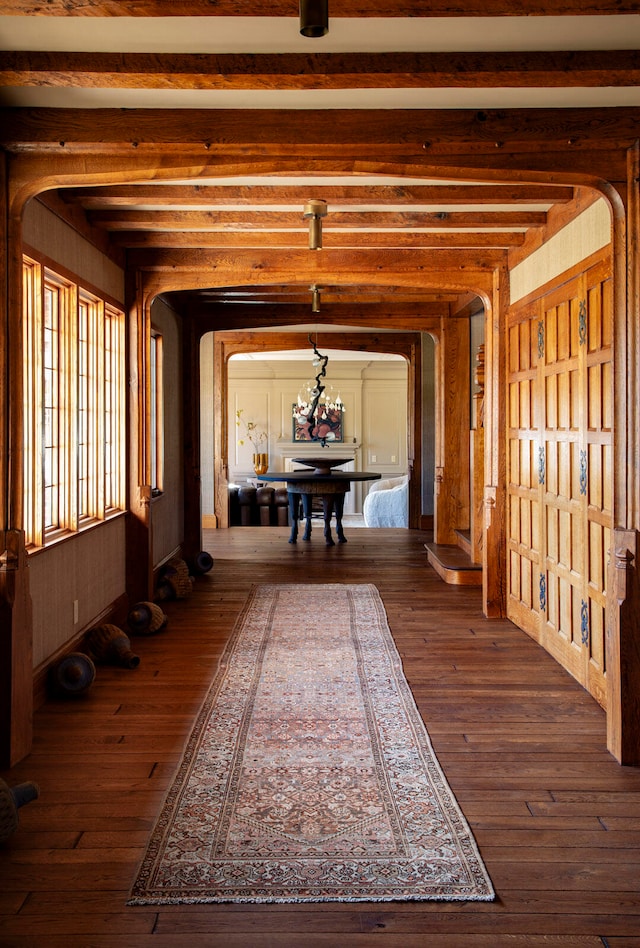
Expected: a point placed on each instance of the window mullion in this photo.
(69, 417)
(98, 394)
(33, 401)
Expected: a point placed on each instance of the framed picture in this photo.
(328, 424)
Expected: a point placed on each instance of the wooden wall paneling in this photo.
(596, 470)
(523, 482)
(563, 523)
(570, 419)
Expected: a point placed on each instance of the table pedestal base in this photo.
(333, 501)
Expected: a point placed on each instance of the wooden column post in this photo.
(623, 592)
(414, 445)
(139, 558)
(623, 649)
(476, 517)
(220, 432)
(192, 543)
(16, 626)
(494, 540)
(451, 502)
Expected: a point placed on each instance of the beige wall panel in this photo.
(89, 568)
(588, 233)
(44, 231)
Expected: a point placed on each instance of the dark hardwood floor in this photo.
(557, 820)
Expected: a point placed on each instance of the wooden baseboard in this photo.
(115, 612)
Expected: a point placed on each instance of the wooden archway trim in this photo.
(408, 345)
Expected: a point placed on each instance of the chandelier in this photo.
(318, 411)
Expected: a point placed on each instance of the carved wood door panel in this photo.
(560, 487)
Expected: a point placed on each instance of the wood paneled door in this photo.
(560, 477)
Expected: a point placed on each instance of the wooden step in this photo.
(464, 540)
(453, 565)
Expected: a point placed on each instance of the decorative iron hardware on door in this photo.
(541, 339)
(582, 322)
(583, 472)
(541, 465)
(584, 623)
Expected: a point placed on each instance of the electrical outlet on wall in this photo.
(374, 458)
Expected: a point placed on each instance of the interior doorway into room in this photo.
(261, 388)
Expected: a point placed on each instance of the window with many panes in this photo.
(74, 399)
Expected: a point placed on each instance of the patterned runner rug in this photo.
(309, 775)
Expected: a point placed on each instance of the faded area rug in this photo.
(309, 775)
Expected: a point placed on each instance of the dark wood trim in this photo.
(402, 70)
(121, 195)
(348, 8)
(409, 345)
(421, 136)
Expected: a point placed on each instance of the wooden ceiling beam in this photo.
(252, 317)
(274, 194)
(266, 265)
(361, 9)
(398, 300)
(242, 71)
(331, 241)
(264, 220)
(301, 141)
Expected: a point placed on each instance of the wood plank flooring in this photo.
(557, 820)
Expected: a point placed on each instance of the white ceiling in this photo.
(281, 35)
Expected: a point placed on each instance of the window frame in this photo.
(74, 367)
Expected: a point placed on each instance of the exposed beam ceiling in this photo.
(195, 62)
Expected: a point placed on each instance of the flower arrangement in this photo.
(252, 431)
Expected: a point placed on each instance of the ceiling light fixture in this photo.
(314, 17)
(315, 211)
